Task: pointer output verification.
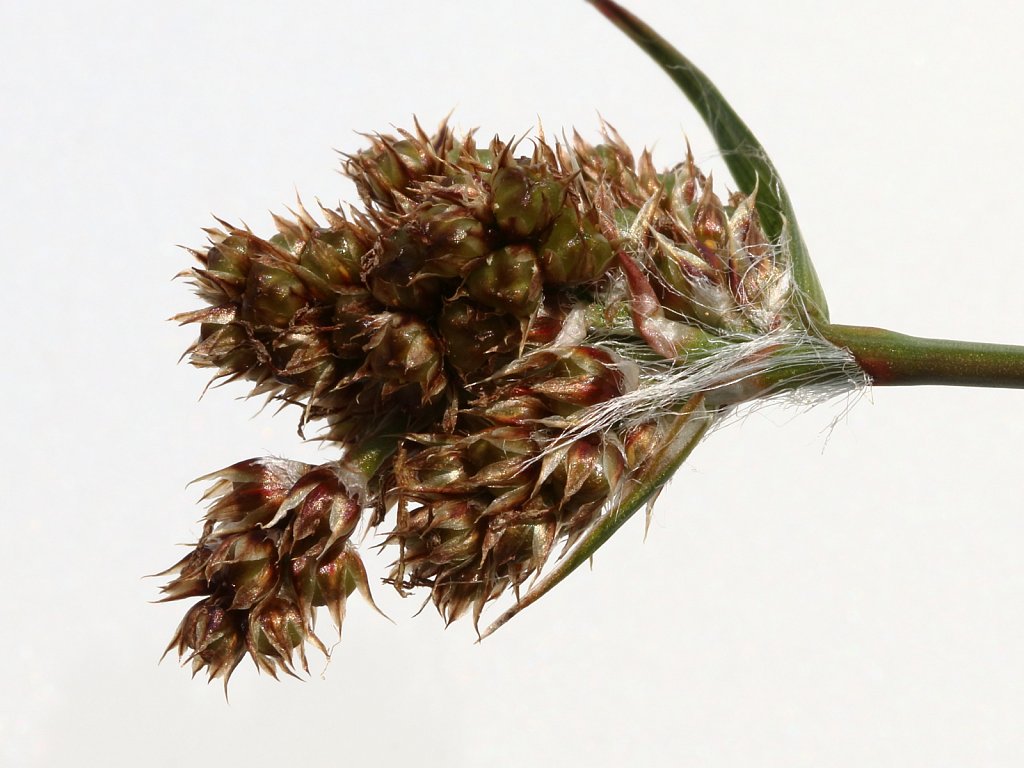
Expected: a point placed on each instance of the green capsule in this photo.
(675, 284)
(515, 548)
(477, 340)
(216, 637)
(247, 563)
(412, 156)
(228, 260)
(515, 409)
(524, 204)
(710, 226)
(640, 443)
(302, 356)
(438, 470)
(394, 273)
(592, 471)
(446, 532)
(272, 295)
(608, 159)
(508, 280)
(485, 157)
(276, 629)
(498, 444)
(624, 217)
(249, 493)
(390, 167)
(326, 517)
(403, 350)
(333, 256)
(456, 239)
(574, 251)
(336, 579)
(227, 347)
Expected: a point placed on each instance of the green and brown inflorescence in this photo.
(513, 348)
(495, 343)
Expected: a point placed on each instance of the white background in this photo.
(806, 596)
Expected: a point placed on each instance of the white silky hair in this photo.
(723, 373)
(658, 388)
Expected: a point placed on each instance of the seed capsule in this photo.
(403, 351)
(338, 578)
(524, 202)
(394, 273)
(330, 259)
(249, 493)
(478, 341)
(325, 515)
(508, 280)
(574, 251)
(273, 295)
(228, 260)
(276, 631)
(214, 636)
(455, 239)
(245, 564)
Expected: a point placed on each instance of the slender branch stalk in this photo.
(895, 359)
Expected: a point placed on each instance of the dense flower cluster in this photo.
(449, 336)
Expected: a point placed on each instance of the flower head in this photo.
(276, 544)
(513, 346)
(505, 346)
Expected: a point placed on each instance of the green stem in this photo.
(895, 359)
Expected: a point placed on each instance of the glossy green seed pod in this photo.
(574, 251)
(508, 280)
(524, 202)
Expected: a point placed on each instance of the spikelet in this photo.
(275, 546)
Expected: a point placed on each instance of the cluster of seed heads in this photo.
(447, 336)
